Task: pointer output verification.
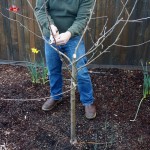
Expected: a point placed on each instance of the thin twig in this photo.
(136, 45)
(125, 8)
(117, 38)
(36, 99)
(21, 15)
(39, 99)
(59, 52)
(85, 29)
(98, 143)
(21, 25)
(138, 109)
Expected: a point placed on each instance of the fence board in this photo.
(17, 41)
(3, 53)
(20, 33)
(7, 31)
(14, 36)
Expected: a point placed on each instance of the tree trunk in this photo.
(72, 101)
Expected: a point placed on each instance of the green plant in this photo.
(37, 69)
(146, 83)
(146, 87)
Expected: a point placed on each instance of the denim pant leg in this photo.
(54, 65)
(83, 79)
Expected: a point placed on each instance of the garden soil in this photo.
(117, 92)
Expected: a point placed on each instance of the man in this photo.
(67, 20)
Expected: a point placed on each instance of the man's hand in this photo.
(63, 38)
(53, 33)
(54, 30)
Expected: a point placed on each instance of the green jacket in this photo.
(66, 15)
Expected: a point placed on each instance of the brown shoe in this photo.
(50, 104)
(90, 111)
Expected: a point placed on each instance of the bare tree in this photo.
(97, 48)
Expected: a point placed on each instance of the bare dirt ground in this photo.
(24, 126)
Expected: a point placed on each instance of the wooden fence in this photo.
(16, 41)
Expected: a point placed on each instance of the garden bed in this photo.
(24, 126)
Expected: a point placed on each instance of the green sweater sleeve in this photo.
(82, 17)
(41, 14)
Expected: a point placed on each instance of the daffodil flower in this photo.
(37, 69)
(34, 50)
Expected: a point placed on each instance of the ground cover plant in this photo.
(23, 125)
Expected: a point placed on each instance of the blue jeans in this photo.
(54, 65)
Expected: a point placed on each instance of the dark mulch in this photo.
(24, 126)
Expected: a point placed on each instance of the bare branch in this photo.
(136, 45)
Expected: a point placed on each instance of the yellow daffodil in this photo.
(149, 62)
(34, 50)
